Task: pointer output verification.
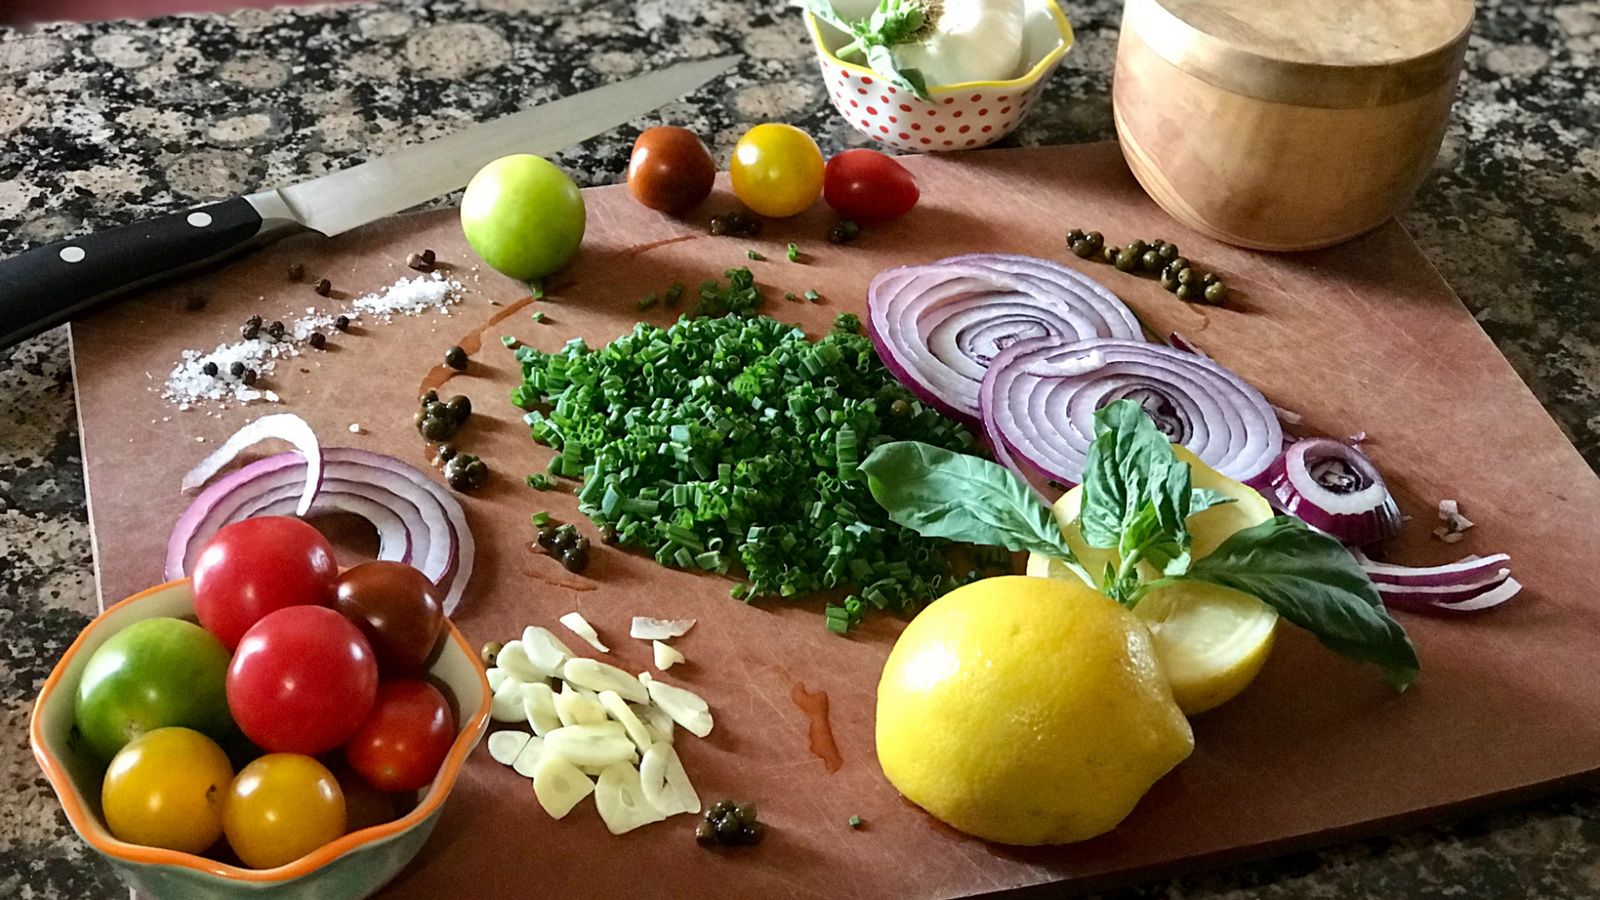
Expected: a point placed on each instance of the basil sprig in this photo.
(1137, 498)
(893, 22)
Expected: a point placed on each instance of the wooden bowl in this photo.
(1286, 125)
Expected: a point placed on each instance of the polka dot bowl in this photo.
(956, 116)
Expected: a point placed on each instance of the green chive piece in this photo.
(855, 821)
(540, 317)
(755, 256)
(540, 519)
(813, 296)
(794, 252)
(647, 301)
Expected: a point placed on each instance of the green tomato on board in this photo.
(523, 216)
(153, 674)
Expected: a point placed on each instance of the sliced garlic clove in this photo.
(658, 723)
(612, 703)
(574, 708)
(580, 626)
(514, 659)
(684, 706)
(666, 655)
(507, 703)
(619, 797)
(505, 745)
(559, 785)
(539, 708)
(590, 745)
(598, 676)
(527, 762)
(497, 676)
(646, 629)
(666, 783)
(545, 651)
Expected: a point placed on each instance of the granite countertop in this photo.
(106, 122)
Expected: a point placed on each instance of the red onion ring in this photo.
(1334, 487)
(937, 327)
(435, 531)
(1468, 585)
(1040, 396)
(283, 426)
(394, 539)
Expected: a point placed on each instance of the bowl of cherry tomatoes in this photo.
(271, 726)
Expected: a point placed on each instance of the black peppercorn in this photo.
(275, 331)
(342, 323)
(237, 369)
(419, 262)
(456, 358)
(249, 376)
(250, 330)
(843, 232)
(253, 320)
(297, 271)
(323, 287)
(317, 340)
(210, 368)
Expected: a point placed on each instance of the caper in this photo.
(1075, 235)
(456, 358)
(477, 472)
(1167, 251)
(459, 408)
(1216, 293)
(1109, 253)
(1188, 275)
(1175, 265)
(1169, 279)
(1095, 239)
(563, 540)
(1081, 249)
(465, 472)
(1209, 278)
(445, 453)
(843, 232)
(575, 559)
(417, 418)
(491, 652)
(1188, 292)
(719, 226)
(899, 409)
(1150, 261)
(432, 396)
(705, 833)
(1127, 260)
(746, 813)
(547, 537)
(753, 833)
(1137, 248)
(608, 534)
(435, 428)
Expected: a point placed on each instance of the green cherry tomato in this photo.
(152, 674)
(777, 170)
(166, 789)
(523, 216)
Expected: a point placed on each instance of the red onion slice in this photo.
(938, 326)
(283, 426)
(1472, 584)
(1470, 569)
(1040, 396)
(394, 539)
(1334, 487)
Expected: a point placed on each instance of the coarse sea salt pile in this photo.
(188, 385)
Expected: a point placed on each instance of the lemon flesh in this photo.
(1211, 640)
(1027, 711)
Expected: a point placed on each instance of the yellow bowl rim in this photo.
(1026, 80)
(87, 824)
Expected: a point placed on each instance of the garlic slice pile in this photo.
(596, 729)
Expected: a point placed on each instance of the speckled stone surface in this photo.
(102, 123)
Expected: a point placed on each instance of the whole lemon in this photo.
(1027, 711)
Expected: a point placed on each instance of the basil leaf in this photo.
(939, 493)
(1127, 457)
(1202, 499)
(1314, 582)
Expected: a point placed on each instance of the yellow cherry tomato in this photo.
(166, 789)
(281, 807)
(777, 170)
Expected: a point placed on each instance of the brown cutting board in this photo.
(1364, 337)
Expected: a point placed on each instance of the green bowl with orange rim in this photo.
(355, 865)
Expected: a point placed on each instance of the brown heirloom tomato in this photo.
(670, 169)
(398, 610)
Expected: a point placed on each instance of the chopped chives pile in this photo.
(731, 445)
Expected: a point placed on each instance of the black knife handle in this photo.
(45, 286)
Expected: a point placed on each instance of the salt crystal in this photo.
(355, 428)
(411, 296)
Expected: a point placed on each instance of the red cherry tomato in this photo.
(404, 741)
(256, 566)
(398, 610)
(867, 186)
(670, 169)
(302, 681)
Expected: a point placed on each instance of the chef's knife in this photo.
(45, 286)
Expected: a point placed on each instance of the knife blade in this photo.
(45, 286)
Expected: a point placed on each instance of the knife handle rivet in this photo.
(72, 254)
(199, 219)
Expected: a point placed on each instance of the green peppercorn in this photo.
(1169, 279)
(1081, 249)
(1137, 248)
(435, 428)
(1109, 254)
(456, 358)
(1167, 251)
(1216, 293)
(1188, 275)
(608, 534)
(1209, 278)
(1189, 293)
(1127, 260)
(1075, 235)
(899, 409)
(843, 232)
(432, 396)
(1095, 239)
(1175, 265)
(1150, 261)
(491, 652)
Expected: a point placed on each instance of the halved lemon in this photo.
(1211, 640)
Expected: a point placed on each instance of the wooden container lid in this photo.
(1322, 53)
